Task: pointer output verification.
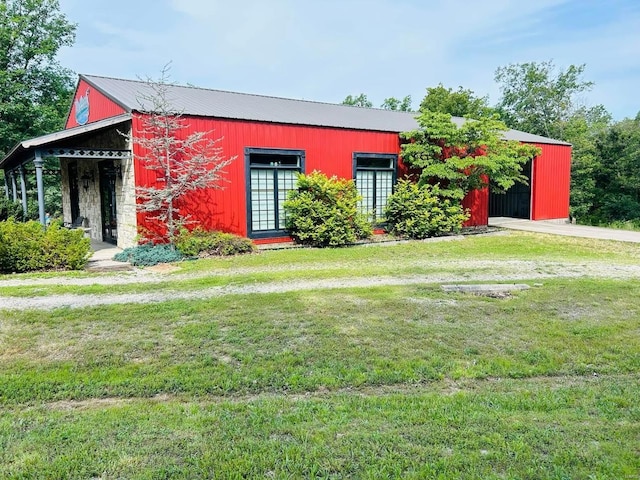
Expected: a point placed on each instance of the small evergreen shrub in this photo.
(27, 247)
(323, 212)
(200, 242)
(149, 254)
(418, 211)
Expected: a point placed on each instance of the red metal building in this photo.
(272, 139)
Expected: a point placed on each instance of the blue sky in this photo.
(326, 49)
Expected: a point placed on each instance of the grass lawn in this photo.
(384, 382)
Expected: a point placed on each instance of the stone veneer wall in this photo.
(126, 205)
(89, 199)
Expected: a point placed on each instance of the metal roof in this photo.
(20, 152)
(131, 94)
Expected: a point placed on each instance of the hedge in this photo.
(27, 247)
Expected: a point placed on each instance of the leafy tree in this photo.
(35, 91)
(390, 103)
(466, 157)
(358, 101)
(460, 103)
(538, 100)
(605, 170)
(617, 175)
(605, 184)
(182, 164)
(582, 130)
(393, 103)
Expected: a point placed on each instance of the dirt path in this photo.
(472, 271)
(445, 386)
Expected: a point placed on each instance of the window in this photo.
(375, 175)
(271, 175)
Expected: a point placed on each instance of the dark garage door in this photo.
(516, 203)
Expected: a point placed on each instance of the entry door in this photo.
(108, 202)
(74, 192)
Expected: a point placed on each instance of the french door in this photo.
(272, 174)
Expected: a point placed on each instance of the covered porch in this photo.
(97, 180)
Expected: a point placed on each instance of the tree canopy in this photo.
(459, 103)
(35, 91)
(605, 183)
(615, 192)
(582, 130)
(358, 101)
(390, 103)
(393, 103)
(538, 99)
(463, 157)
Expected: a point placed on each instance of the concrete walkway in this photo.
(102, 258)
(566, 229)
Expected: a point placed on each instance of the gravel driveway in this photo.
(474, 271)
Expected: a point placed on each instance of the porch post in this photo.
(14, 186)
(23, 189)
(39, 163)
(6, 184)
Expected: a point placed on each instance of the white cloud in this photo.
(326, 50)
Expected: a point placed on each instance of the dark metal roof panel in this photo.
(242, 106)
(18, 153)
(72, 132)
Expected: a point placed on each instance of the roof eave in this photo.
(33, 143)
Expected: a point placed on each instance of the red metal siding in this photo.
(477, 201)
(551, 177)
(329, 150)
(100, 107)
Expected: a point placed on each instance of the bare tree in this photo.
(182, 164)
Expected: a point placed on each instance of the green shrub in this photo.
(633, 224)
(11, 209)
(418, 211)
(200, 242)
(617, 207)
(149, 254)
(33, 211)
(26, 247)
(65, 249)
(324, 212)
(20, 246)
